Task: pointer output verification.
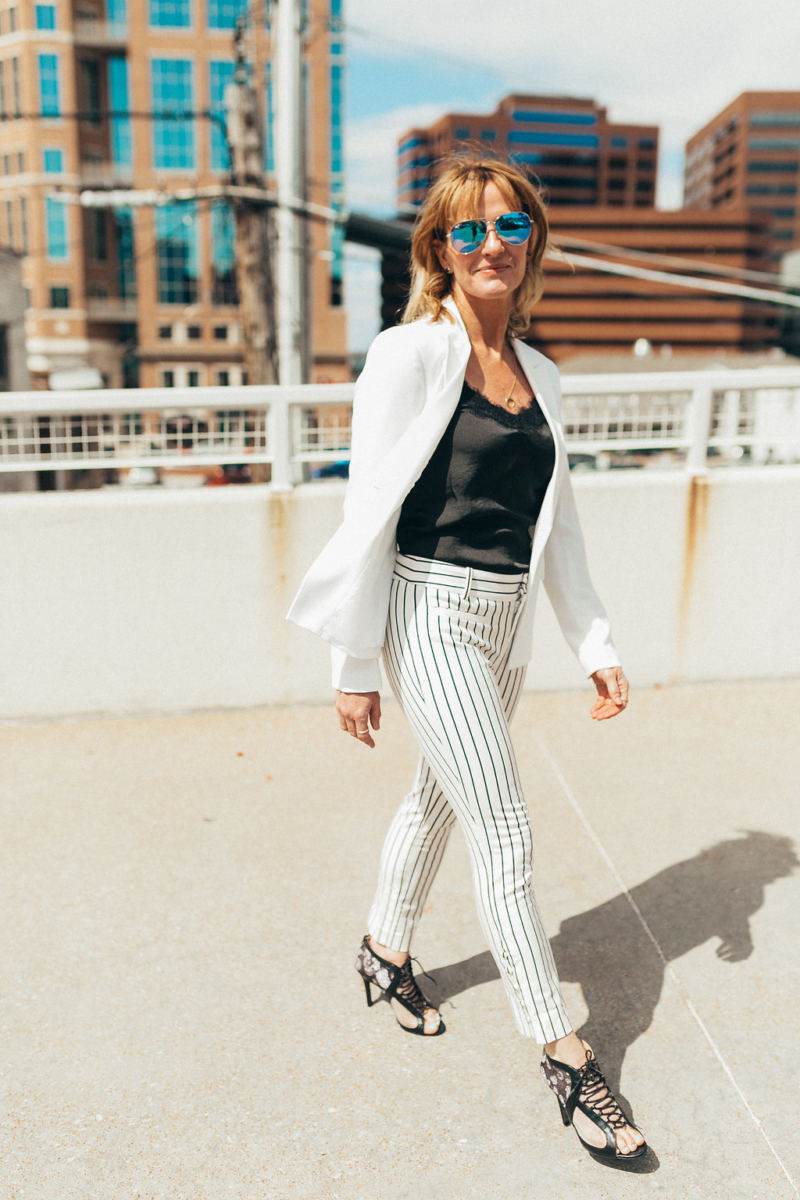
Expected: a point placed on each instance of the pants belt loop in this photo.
(467, 583)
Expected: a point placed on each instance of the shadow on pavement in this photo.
(608, 952)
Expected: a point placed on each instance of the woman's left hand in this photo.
(612, 693)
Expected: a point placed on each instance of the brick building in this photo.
(568, 144)
(749, 154)
(110, 94)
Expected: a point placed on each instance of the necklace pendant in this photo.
(511, 404)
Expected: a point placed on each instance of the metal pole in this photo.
(290, 187)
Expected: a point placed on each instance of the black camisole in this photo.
(478, 499)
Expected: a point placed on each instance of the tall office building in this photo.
(120, 93)
(568, 144)
(749, 154)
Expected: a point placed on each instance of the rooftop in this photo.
(183, 897)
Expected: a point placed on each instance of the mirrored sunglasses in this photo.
(468, 236)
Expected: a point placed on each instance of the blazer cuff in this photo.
(349, 674)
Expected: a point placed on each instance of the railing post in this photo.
(698, 420)
(279, 441)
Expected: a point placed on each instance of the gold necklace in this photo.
(509, 402)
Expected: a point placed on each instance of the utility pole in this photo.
(253, 224)
(291, 275)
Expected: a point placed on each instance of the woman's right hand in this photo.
(357, 711)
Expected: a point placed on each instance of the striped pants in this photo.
(446, 654)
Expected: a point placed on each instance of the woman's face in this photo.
(496, 269)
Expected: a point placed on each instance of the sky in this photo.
(673, 63)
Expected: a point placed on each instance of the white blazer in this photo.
(403, 402)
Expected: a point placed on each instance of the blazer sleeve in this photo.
(566, 579)
(389, 391)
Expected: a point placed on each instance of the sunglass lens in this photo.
(514, 227)
(467, 236)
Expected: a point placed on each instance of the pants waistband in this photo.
(467, 581)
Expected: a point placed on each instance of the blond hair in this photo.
(456, 191)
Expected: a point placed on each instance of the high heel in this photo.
(395, 983)
(584, 1089)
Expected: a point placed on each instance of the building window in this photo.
(126, 262)
(223, 378)
(220, 333)
(89, 89)
(23, 225)
(56, 230)
(165, 333)
(16, 86)
(461, 135)
(59, 297)
(784, 167)
(117, 12)
(53, 161)
(10, 222)
(220, 75)
(3, 109)
(775, 118)
(488, 135)
(223, 260)
(170, 14)
(646, 143)
(12, 20)
(194, 333)
(45, 16)
(618, 142)
(543, 138)
(176, 248)
(98, 234)
(193, 378)
(173, 92)
(222, 14)
(549, 117)
(121, 140)
(168, 379)
(20, 161)
(49, 101)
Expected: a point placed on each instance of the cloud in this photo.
(371, 149)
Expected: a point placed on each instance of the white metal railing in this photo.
(609, 418)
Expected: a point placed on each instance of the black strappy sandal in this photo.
(585, 1089)
(396, 983)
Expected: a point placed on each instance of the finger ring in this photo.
(361, 732)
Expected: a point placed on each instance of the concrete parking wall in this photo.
(123, 601)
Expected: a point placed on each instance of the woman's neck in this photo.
(486, 321)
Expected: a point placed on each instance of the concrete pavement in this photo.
(182, 899)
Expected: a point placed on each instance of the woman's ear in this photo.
(440, 250)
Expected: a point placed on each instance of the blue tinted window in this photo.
(126, 272)
(45, 16)
(619, 142)
(409, 142)
(784, 167)
(176, 253)
(771, 189)
(756, 143)
(488, 135)
(170, 14)
(220, 75)
(646, 143)
(222, 14)
(461, 133)
(53, 161)
(540, 138)
(55, 218)
(173, 136)
(775, 118)
(117, 11)
(49, 101)
(555, 118)
(121, 139)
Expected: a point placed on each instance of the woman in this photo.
(458, 503)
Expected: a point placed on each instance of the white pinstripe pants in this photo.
(446, 654)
